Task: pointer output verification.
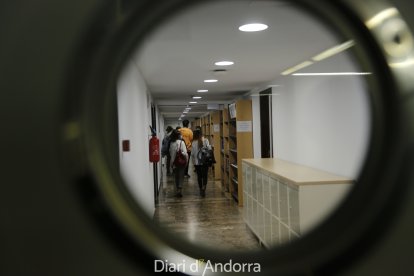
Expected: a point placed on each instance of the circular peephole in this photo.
(294, 101)
(299, 121)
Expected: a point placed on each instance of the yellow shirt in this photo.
(187, 135)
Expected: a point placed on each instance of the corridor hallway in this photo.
(214, 221)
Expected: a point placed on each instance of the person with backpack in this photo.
(200, 149)
(187, 136)
(165, 148)
(179, 160)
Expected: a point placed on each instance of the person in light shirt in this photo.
(200, 142)
(177, 144)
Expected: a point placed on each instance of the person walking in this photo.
(187, 136)
(177, 146)
(199, 143)
(165, 148)
(199, 128)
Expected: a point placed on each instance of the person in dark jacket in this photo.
(165, 148)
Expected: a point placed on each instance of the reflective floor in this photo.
(213, 221)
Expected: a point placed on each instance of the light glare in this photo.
(224, 63)
(253, 27)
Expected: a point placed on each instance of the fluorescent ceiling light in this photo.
(261, 95)
(334, 50)
(196, 97)
(202, 90)
(193, 102)
(325, 54)
(297, 67)
(254, 27)
(224, 63)
(333, 74)
(211, 80)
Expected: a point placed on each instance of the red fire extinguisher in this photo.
(154, 148)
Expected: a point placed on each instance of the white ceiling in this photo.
(181, 53)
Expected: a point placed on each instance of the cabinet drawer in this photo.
(294, 219)
(267, 228)
(259, 187)
(283, 203)
(266, 192)
(275, 231)
(274, 197)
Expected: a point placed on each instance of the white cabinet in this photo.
(281, 205)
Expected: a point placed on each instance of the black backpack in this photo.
(205, 156)
(165, 147)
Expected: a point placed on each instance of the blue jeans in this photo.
(202, 176)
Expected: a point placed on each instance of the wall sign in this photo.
(244, 126)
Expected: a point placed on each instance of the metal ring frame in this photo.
(386, 48)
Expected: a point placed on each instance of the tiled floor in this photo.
(214, 221)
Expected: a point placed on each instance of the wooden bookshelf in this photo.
(195, 123)
(215, 142)
(224, 150)
(240, 146)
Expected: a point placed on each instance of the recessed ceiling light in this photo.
(253, 27)
(196, 97)
(210, 80)
(193, 102)
(224, 63)
(202, 90)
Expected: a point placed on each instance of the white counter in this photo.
(283, 200)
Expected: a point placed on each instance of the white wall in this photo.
(322, 122)
(134, 115)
